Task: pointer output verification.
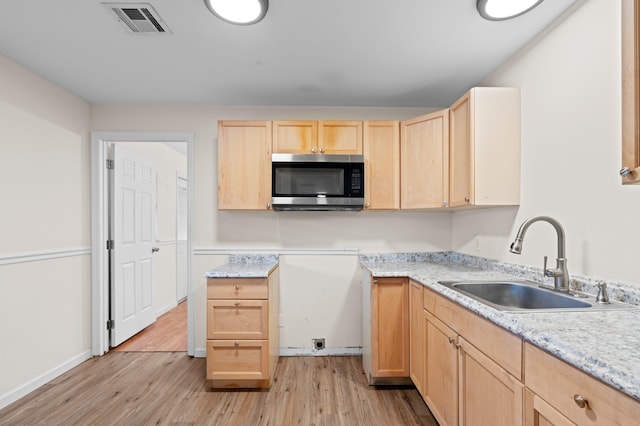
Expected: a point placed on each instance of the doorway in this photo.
(177, 245)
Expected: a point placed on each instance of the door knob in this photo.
(155, 249)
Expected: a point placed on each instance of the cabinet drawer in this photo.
(557, 382)
(237, 288)
(500, 345)
(237, 359)
(237, 319)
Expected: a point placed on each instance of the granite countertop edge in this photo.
(575, 342)
(245, 266)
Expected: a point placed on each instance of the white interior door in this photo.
(133, 203)
(181, 232)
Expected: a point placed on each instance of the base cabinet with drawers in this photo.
(242, 331)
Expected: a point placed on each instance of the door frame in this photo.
(100, 228)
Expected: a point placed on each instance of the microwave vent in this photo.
(138, 18)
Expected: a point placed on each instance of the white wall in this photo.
(311, 238)
(168, 162)
(571, 149)
(45, 267)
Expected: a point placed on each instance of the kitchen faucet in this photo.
(559, 273)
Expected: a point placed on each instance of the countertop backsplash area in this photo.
(619, 291)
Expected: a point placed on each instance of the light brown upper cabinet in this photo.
(484, 164)
(382, 165)
(317, 137)
(630, 171)
(424, 161)
(244, 165)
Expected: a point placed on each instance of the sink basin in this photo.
(526, 296)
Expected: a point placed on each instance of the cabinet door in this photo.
(390, 327)
(244, 165)
(340, 137)
(460, 190)
(488, 394)
(440, 370)
(424, 161)
(539, 413)
(382, 165)
(295, 137)
(416, 335)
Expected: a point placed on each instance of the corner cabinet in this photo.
(244, 165)
(385, 330)
(317, 137)
(485, 148)
(424, 161)
(242, 331)
(382, 165)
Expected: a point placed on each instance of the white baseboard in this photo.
(347, 351)
(166, 309)
(34, 384)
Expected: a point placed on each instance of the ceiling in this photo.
(422, 53)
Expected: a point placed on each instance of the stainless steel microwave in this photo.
(317, 182)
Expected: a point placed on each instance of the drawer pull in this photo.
(236, 344)
(580, 401)
(451, 340)
(237, 288)
(237, 304)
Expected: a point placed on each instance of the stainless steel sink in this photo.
(527, 296)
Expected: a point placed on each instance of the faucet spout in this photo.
(560, 273)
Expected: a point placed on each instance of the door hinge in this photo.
(111, 324)
(110, 164)
(109, 244)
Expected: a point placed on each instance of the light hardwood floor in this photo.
(167, 334)
(168, 388)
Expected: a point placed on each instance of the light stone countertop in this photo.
(603, 344)
(245, 266)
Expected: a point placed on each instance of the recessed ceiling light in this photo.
(498, 10)
(240, 12)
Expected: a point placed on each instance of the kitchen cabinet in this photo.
(382, 165)
(472, 370)
(386, 330)
(416, 358)
(317, 137)
(242, 331)
(560, 394)
(630, 172)
(484, 148)
(244, 165)
(424, 161)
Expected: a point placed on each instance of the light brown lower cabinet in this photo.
(563, 395)
(385, 347)
(242, 331)
(416, 358)
(464, 385)
(476, 373)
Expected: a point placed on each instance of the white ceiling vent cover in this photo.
(138, 18)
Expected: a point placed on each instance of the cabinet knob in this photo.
(444, 203)
(268, 206)
(366, 206)
(451, 340)
(237, 304)
(321, 150)
(375, 281)
(236, 344)
(467, 199)
(581, 401)
(625, 171)
(313, 150)
(237, 288)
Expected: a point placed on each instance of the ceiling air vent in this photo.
(138, 18)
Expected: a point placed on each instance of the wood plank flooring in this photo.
(168, 388)
(167, 334)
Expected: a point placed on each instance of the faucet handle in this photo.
(545, 271)
(602, 296)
